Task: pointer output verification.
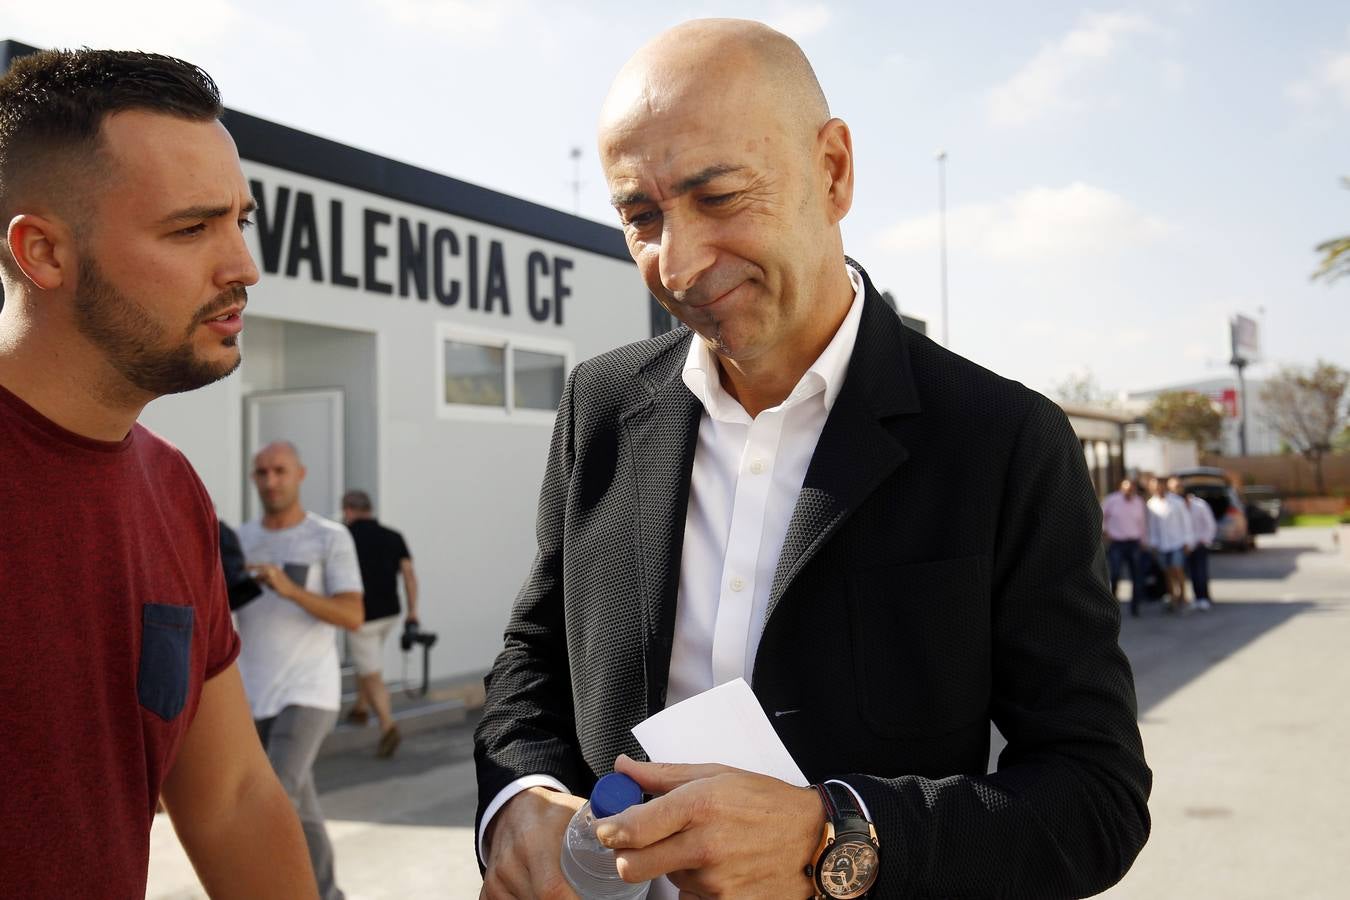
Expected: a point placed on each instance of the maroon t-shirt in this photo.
(112, 613)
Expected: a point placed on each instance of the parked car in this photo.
(1264, 508)
(1212, 486)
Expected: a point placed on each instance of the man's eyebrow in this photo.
(701, 178)
(191, 213)
(697, 180)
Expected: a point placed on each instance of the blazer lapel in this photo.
(855, 451)
(661, 434)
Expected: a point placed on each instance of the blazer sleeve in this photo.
(528, 726)
(1066, 812)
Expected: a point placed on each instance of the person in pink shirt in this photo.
(1125, 524)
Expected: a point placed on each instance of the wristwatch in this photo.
(849, 856)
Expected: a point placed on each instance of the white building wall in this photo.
(462, 490)
(1158, 455)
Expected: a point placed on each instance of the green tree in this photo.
(1185, 416)
(1307, 407)
(1335, 254)
(1081, 389)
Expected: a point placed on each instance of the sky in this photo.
(1120, 179)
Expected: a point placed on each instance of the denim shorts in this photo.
(1172, 559)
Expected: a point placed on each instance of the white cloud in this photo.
(1036, 225)
(800, 22)
(1330, 80)
(461, 21)
(1045, 84)
(163, 26)
(1196, 352)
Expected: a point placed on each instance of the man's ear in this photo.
(835, 152)
(40, 247)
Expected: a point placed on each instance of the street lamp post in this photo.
(576, 179)
(942, 234)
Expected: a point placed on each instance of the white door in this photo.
(312, 421)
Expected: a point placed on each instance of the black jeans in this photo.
(1197, 568)
(1126, 553)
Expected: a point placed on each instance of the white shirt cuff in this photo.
(506, 793)
(862, 805)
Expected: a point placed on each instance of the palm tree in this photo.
(1335, 254)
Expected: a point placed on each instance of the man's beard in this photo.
(137, 346)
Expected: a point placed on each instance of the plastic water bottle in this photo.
(587, 864)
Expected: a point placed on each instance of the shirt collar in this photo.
(825, 376)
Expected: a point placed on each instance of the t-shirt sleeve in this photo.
(222, 641)
(342, 570)
(402, 547)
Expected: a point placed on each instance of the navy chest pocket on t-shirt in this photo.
(297, 572)
(166, 652)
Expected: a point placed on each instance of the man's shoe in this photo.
(389, 742)
(1204, 604)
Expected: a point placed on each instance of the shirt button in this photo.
(757, 466)
(737, 584)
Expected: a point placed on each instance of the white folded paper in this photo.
(723, 725)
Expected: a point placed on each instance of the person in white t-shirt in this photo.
(1205, 529)
(1171, 538)
(311, 583)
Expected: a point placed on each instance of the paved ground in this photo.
(1243, 712)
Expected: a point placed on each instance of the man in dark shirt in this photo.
(383, 555)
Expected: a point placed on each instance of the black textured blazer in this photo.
(942, 570)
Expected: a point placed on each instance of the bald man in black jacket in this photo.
(941, 569)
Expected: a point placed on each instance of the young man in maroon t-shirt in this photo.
(124, 277)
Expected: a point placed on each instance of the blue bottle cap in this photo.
(614, 793)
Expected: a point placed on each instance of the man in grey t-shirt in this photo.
(311, 583)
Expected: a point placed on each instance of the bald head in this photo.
(693, 64)
(279, 449)
(731, 179)
(277, 474)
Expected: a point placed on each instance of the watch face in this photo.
(849, 869)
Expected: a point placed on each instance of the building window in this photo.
(475, 374)
(538, 379)
(491, 375)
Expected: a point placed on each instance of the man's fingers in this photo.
(645, 824)
(682, 851)
(662, 778)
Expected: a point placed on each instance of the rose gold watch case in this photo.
(828, 848)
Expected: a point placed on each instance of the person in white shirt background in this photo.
(1204, 528)
(1171, 537)
(311, 580)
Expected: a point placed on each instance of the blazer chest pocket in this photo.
(921, 638)
(166, 654)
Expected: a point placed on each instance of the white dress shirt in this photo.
(746, 475)
(1203, 527)
(1169, 523)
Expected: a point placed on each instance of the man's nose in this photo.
(236, 265)
(686, 252)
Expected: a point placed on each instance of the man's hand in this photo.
(524, 845)
(717, 832)
(275, 578)
(345, 610)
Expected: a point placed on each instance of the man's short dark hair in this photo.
(357, 501)
(53, 103)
